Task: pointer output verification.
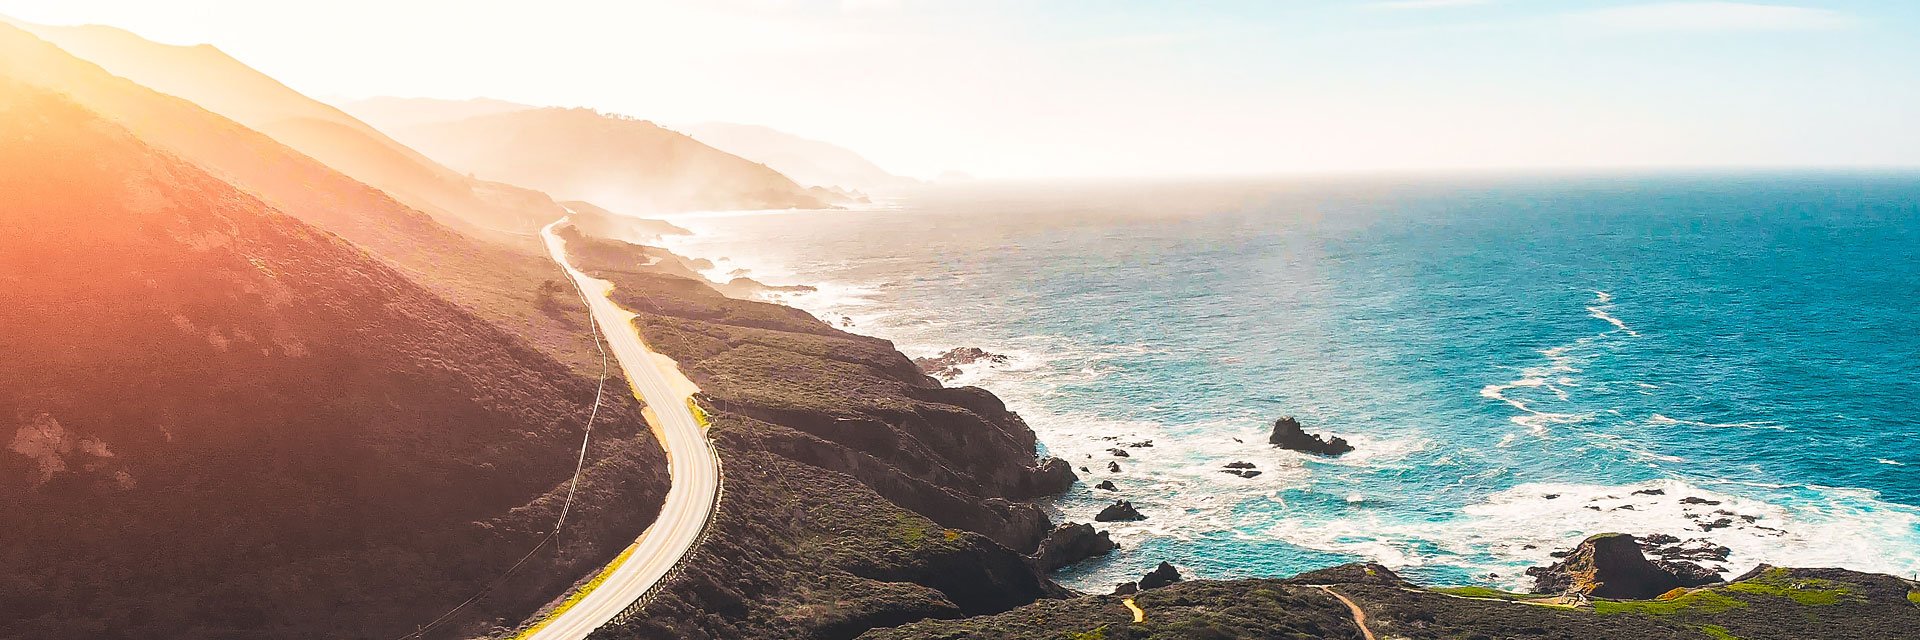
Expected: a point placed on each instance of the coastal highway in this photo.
(692, 465)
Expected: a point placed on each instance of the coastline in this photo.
(1485, 534)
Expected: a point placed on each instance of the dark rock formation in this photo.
(1126, 589)
(1244, 473)
(1106, 485)
(1070, 543)
(1140, 445)
(1697, 500)
(1119, 453)
(947, 365)
(1288, 434)
(1052, 476)
(1611, 565)
(744, 287)
(1119, 511)
(1113, 467)
(1239, 465)
(1160, 576)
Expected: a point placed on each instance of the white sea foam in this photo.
(1602, 308)
(1757, 424)
(1521, 526)
(1178, 481)
(1891, 462)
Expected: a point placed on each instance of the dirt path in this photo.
(1359, 617)
(1139, 614)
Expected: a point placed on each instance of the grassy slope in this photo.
(858, 492)
(227, 423)
(1780, 605)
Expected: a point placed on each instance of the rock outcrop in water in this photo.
(1160, 576)
(1611, 565)
(1070, 543)
(1288, 434)
(946, 366)
(1119, 511)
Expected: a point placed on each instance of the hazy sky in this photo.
(1080, 88)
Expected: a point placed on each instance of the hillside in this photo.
(504, 284)
(628, 165)
(1771, 604)
(859, 492)
(218, 82)
(808, 162)
(227, 423)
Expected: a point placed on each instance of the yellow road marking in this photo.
(579, 593)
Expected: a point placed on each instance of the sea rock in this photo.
(1288, 434)
(1106, 485)
(747, 288)
(1119, 453)
(1070, 543)
(1160, 576)
(1052, 476)
(1140, 445)
(1695, 500)
(1611, 565)
(1244, 473)
(1127, 589)
(1113, 467)
(1119, 511)
(946, 366)
(1239, 465)
(1650, 492)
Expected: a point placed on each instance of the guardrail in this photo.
(679, 568)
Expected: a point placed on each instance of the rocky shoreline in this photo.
(925, 522)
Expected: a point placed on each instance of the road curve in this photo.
(693, 466)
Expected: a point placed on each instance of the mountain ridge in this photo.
(623, 163)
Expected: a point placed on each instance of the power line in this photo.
(593, 325)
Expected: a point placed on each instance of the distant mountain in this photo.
(393, 114)
(809, 162)
(220, 421)
(218, 82)
(629, 165)
(504, 284)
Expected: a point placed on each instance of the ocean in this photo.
(1520, 361)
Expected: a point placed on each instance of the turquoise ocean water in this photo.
(1514, 358)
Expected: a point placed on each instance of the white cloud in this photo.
(1713, 16)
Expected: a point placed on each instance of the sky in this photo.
(1125, 88)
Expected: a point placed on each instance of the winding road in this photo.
(693, 466)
